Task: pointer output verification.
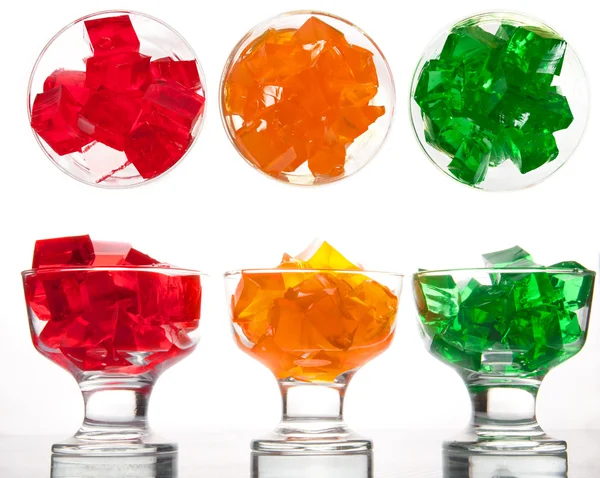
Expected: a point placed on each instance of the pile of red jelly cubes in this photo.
(89, 315)
(125, 100)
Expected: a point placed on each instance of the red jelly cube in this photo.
(63, 251)
(184, 72)
(108, 117)
(119, 254)
(54, 296)
(119, 72)
(153, 150)
(134, 335)
(111, 35)
(162, 298)
(73, 81)
(172, 107)
(137, 258)
(54, 118)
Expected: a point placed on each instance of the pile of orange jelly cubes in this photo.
(297, 96)
(309, 322)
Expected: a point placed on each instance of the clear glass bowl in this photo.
(314, 329)
(503, 330)
(98, 164)
(506, 175)
(234, 102)
(115, 329)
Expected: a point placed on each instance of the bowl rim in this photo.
(505, 270)
(236, 272)
(161, 269)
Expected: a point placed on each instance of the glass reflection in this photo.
(160, 465)
(463, 464)
(351, 465)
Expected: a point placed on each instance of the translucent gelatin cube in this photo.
(152, 149)
(108, 117)
(184, 72)
(54, 116)
(111, 35)
(126, 71)
(73, 81)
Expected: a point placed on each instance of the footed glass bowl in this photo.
(115, 329)
(499, 101)
(307, 98)
(116, 99)
(503, 330)
(314, 329)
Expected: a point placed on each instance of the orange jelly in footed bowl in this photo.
(314, 320)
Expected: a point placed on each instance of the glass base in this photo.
(464, 464)
(310, 438)
(108, 443)
(160, 465)
(349, 465)
(475, 443)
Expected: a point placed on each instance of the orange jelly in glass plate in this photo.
(315, 317)
(307, 98)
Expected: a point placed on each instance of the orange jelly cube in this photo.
(312, 318)
(300, 96)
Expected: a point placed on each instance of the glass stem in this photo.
(504, 407)
(115, 403)
(312, 409)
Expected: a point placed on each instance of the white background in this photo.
(215, 213)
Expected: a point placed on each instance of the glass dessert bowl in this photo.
(314, 329)
(307, 98)
(115, 328)
(116, 99)
(499, 101)
(503, 330)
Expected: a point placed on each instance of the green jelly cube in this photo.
(437, 299)
(531, 291)
(470, 162)
(544, 114)
(571, 328)
(483, 90)
(535, 149)
(553, 114)
(513, 257)
(503, 148)
(505, 31)
(541, 358)
(450, 353)
(533, 85)
(470, 43)
(467, 289)
(454, 133)
(536, 50)
(576, 288)
(484, 315)
(439, 89)
(513, 110)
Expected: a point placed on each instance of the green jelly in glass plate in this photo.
(499, 101)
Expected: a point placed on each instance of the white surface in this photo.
(398, 454)
(216, 213)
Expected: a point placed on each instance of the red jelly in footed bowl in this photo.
(116, 99)
(116, 319)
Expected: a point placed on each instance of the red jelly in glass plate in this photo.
(116, 99)
(115, 318)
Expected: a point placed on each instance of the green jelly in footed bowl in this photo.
(499, 101)
(503, 328)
